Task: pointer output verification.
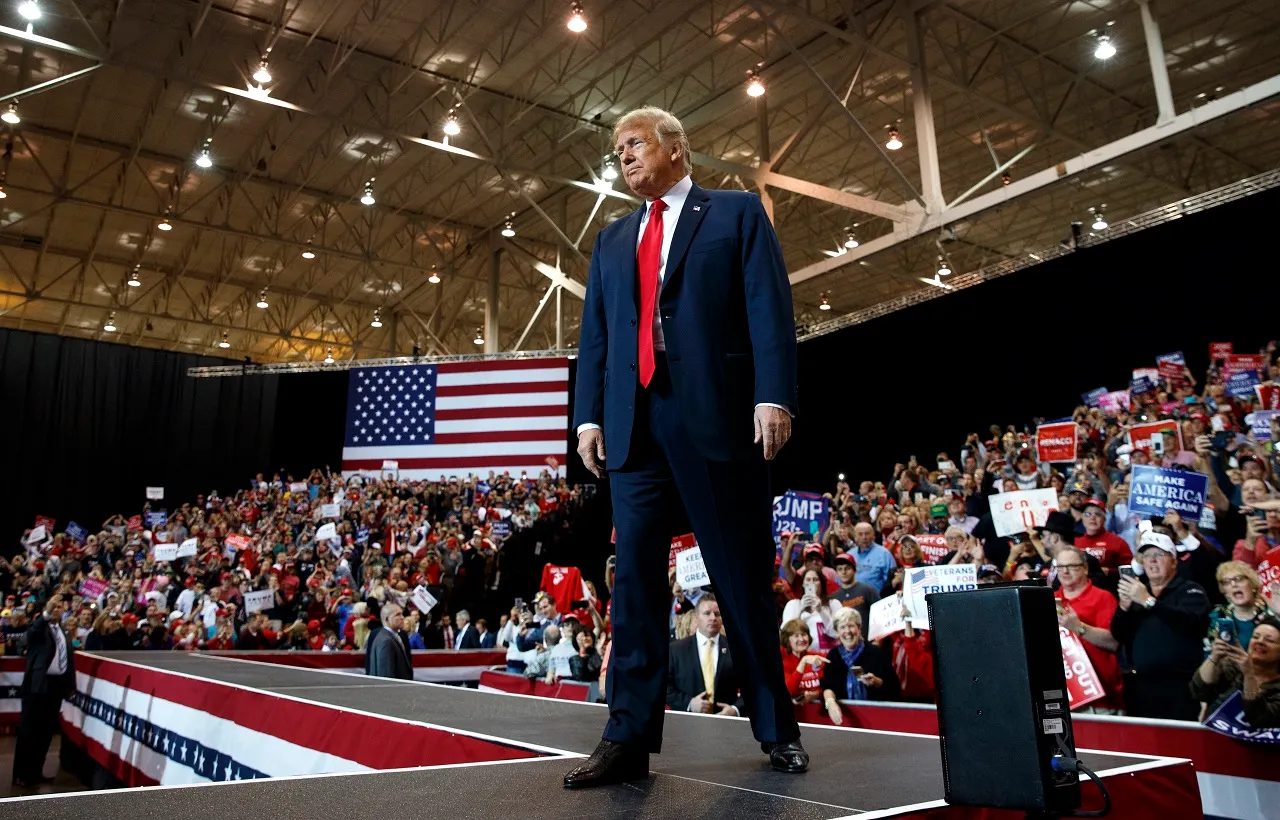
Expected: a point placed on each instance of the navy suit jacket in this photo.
(727, 320)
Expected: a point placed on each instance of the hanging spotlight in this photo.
(1006, 178)
(826, 305)
(328, 356)
(850, 241)
(368, 199)
(434, 278)
(1099, 222)
(377, 318)
(895, 139)
(10, 114)
(508, 230)
(755, 85)
(204, 159)
(165, 224)
(451, 126)
(134, 281)
(262, 299)
(610, 171)
(578, 19)
(944, 267)
(263, 74)
(479, 339)
(110, 326)
(30, 10)
(3, 195)
(308, 253)
(1105, 49)
(226, 342)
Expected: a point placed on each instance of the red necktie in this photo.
(648, 257)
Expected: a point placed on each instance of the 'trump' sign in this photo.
(796, 511)
(1056, 442)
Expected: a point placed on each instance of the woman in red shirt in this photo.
(803, 670)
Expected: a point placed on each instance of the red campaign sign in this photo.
(1241, 362)
(1056, 442)
(1140, 434)
(553, 463)
(1172, 372)
(1268, 396)
(239, 542)
(46, 522)
(678, 545)
(1083, 686)
(135, 523)
(933, 547)
(1269, 576)
(1220, 350)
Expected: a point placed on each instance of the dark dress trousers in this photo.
(686, 439)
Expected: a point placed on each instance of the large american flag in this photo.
(458, 419)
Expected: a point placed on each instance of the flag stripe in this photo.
(482, 448)
(488, 389)
(531, 423)
(455, 463)
(448, 378)
(504, 400)
(518, 364)
(471, 413)
(491, 435)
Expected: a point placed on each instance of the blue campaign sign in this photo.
(1156, 490)
(1093, 396)
(157, 519)
(1176, 357)
(362, 535)
(1259, 425)
(1142, 384)
(795, 511)
(1241, 384)
(501, 529)
(76, 532)
(1228, 719)
(483, 487)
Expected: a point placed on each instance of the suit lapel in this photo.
(695, 208)
(624, 252)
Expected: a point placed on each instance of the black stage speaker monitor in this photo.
(1002, 701)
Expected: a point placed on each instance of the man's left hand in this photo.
(773, 427)
(726, 709)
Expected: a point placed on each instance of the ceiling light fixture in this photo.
(165, 224)
(1099, 222)
(328, 356)
(1105, 49)
(262, 299)
(204, 159)
(10, 114)
(377, 318)
(850, 241)
(451, 126)
(610, 170)
(110, 326)
(226, 342)
(826, 305)
(308, 253)
(3, 195)
(30, 10)
(895, 139)
(577, 19)
(508, 230)
(263, 74)
(367, 198)
(944, 267)
(434, 278)
(479, 339)
(755, 85)
(134, 281)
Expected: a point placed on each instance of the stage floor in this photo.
(710, 766)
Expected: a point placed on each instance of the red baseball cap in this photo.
(814, 549)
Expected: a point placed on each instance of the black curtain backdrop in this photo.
(92, 424)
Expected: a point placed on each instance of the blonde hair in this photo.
(845, 615)
(360, 633)
(1240, 568)
(664, 124)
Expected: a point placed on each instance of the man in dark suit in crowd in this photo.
(467, 637)
(700, 674)
(687, 371)
(488, 640)
(385, 654)
(49, 678)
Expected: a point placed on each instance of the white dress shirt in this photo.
(674, 199)
(58, 666)
(703, 640)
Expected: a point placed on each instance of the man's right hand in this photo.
(591, 449)
(701, 704)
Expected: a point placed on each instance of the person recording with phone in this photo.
(814, 609)
(1245, 607)
(1254, 672)
(856, 669)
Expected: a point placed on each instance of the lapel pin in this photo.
(697, 207)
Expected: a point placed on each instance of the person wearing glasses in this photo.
(1245, 606)
(1111, 550)
(1086, 610)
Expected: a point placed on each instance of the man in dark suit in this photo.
(700, 673)
(385, 654)
(687, 371)
(49, 678)
(467, 636)
(488, 640)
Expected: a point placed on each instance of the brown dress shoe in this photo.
(609, 763)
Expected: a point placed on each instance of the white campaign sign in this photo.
(886, 618)
(691, 573)
(165, 552)
(187, 548)
(328, 532)
(921, 581)
(423, 600)
(390, 465)
(258, 600)
(37, 535)
(330, 511)
(155, 493)
(1019, 511)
